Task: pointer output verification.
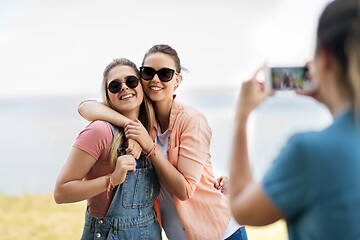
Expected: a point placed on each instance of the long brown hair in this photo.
(166, 49)
(146, 113)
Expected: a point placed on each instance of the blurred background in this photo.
(53, 53)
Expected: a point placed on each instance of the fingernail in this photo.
(222, 191)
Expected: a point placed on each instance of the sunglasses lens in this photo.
(165, 74)
(114, 87)
(147, 73)
(132, 82)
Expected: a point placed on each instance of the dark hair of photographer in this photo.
(339, 33)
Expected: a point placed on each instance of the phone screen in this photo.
(291, 78)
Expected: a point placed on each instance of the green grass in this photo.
(39, 217)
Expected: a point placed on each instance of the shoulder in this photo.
(97, 131)
(99, 128)
(95, 139)
(188, 113)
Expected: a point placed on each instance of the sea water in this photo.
(36, 133)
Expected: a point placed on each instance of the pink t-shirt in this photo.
(96, 140)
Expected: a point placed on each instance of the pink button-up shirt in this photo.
(206, 214)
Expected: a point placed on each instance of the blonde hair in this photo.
(353, 71)
(146, 113)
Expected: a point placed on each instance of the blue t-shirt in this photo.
(315, 182)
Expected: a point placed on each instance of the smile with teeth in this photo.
(126, 96)
(155, 88)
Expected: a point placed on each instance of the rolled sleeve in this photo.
(194, 151)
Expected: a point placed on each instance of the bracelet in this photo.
(152, 150)
(110, 185)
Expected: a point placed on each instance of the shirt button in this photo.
(101, 221)
(98, 235)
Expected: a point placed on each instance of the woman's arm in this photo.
(191, 154)
(70, 186)
(93, 110)
(249, 203)
(173, 180)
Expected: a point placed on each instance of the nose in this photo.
(123, 86)
(156, 78)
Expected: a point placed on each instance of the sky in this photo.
(62, 47)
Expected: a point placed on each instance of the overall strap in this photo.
(112, 127)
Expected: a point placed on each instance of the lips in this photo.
(155, 88)
(126, 96)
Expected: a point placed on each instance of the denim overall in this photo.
(131, 214)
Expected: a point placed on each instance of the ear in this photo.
(178, 81)
(325, 58)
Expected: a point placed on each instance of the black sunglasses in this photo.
(130, 81)
(164, 74)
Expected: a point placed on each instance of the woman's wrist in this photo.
(152, 150)
(149, 146)
(113, 180)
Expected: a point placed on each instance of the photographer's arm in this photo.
(249, 203)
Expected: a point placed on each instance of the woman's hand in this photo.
(134, 148)
(222, 183)
(136, 131)
(312, 75)
(124, 164)
(251, 95)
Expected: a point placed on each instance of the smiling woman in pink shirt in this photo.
(190, 206)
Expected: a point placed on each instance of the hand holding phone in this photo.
(289, 78)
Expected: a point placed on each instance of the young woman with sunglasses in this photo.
(315, 181)
(120, 191)
(191, 207)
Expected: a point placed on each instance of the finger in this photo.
(133, 167)
(132, 136)
(216, 183)
(133, 131)
(138, 154)
(128, 151)
(258, 71)
(134, 123)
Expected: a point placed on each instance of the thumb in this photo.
(137, 120)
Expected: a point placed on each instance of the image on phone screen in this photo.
(290, 78)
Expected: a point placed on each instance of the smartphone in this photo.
(288, 78)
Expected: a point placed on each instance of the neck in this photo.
(131, 114)
(340, 101)
(339, 108)
(162, 110)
